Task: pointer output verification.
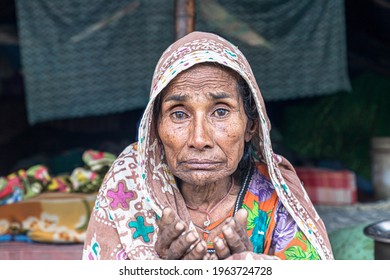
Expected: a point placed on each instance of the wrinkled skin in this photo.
(202, 125)
(175, 242)
(203, 128)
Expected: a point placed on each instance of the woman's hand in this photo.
(235, 240)
(175, 242)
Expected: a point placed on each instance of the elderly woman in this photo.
(203, 182)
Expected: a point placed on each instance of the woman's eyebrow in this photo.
(220, 95)
(175, 97)
(184, 97)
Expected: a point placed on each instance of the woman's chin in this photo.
(202, 179)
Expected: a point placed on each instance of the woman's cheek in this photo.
(172, 137)
(231, 132)
(231, 139)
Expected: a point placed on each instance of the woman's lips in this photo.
(200, 164)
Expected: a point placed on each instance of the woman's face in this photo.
(202, 124)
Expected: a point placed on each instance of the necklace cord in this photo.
(208, 213)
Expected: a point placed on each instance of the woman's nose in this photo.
(200, 134)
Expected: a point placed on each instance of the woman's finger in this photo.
(179, 247)
(235, 233)
(239, 225)
(198, 252)
(170, 228)
(167, 218)
(233, 239)
(222, 251)
(241, 218)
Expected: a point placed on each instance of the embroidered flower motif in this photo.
(141, 230)
(120, 197)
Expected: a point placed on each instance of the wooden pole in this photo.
(184, 17)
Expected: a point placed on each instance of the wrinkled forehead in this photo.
(205, 74)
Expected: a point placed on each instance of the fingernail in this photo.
(191, 237)
(218, 242)
(199, 247)
(228, 231)
(179, 226)
(166, 210)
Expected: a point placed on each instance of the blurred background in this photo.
(75, 76)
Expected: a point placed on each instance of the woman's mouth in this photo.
(200, 164)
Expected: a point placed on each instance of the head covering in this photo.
(157, 182)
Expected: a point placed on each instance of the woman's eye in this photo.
(179, 115)
(219, 113)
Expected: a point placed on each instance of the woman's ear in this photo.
(251, 128)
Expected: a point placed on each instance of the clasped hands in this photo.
(175, 241)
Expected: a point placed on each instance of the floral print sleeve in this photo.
(270, 227)
(288, 241)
